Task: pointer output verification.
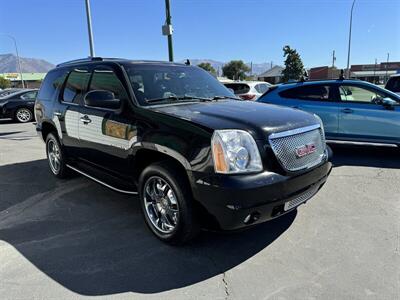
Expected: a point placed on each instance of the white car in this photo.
(248, 90)
(393, 84)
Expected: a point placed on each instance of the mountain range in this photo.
(9, 64)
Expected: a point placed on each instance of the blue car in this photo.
(351, 110)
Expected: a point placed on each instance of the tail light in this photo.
(248, 96)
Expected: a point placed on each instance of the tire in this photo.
(55, 152)
(173, 208)
(23, 115)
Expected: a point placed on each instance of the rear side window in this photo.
(261, 88)
(76, 85)
(29, 95)
(309, 92)
(238, 88)
(394, 84)
(106, 79)
(51, 85)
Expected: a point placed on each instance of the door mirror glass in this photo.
(102, 99)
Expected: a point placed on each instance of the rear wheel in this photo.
(167, 203)
(56, 156)
(23, 115)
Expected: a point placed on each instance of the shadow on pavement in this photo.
(366, 156)
(93, 241)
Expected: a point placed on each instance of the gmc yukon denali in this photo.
(197, 156)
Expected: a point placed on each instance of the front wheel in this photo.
(23, 115)
(56, 156)
(167, 203)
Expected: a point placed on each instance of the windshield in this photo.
(172, 83)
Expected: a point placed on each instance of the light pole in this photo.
(90, 32)
(167, 30)
(387, 63)
(348, 50)
(18, 60)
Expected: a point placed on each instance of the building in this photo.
(324, 72)
(31, 80)
(273, 75)
(375, 73)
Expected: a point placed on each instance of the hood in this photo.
(259, 119)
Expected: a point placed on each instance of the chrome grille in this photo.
(302, 198)
(284, 145)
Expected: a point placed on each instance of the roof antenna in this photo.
(341, 76)
(187, 62)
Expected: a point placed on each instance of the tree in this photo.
(235, 69)
(4, 83)
(208, 67)
(294, 67)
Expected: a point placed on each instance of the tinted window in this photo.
(358, 94)
(238, 88)
(261, 88)
(309, 92)
(52, 84)
(106, 79)
(394, 84)
(76, 85)
(29, 95)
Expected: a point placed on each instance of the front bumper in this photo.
(236, 201)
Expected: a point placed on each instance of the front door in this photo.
(107, 135)
(364, 118)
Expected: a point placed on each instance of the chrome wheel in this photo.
(23, 115)
(160, 204)
(54, 156)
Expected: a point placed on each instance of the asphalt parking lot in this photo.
(75, 238)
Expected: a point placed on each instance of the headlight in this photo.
(235, 151)
(321, 124)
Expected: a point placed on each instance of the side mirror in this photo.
(388, 103)
(231, 90)
(102, 99)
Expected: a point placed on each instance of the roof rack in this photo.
(88, 59)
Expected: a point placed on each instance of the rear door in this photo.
(107, 135)
(67, 108)
(320, 99)
(363, 118)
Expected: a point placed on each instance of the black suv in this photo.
(196, 155)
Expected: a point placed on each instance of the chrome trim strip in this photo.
(101, 182)
(344, 142)
(293, 131)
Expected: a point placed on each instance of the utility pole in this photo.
(333, 59)
(18, 59)
(387, 63)
(348, 50)
(89, 24)
(376, 62)
(168, 30)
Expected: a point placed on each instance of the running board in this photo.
(101, 182)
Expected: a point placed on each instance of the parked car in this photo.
(351, 110)
(171, 133)
(19, 105)
(248, 90)
(393, 84)
(8, 91)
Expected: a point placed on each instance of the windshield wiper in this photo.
(224, 97)
(178, 98)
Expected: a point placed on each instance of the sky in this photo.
(251, 30)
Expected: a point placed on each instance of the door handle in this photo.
(85, 119)
(347, 111)
(57, 113)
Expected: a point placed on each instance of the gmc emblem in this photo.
(305, 150)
